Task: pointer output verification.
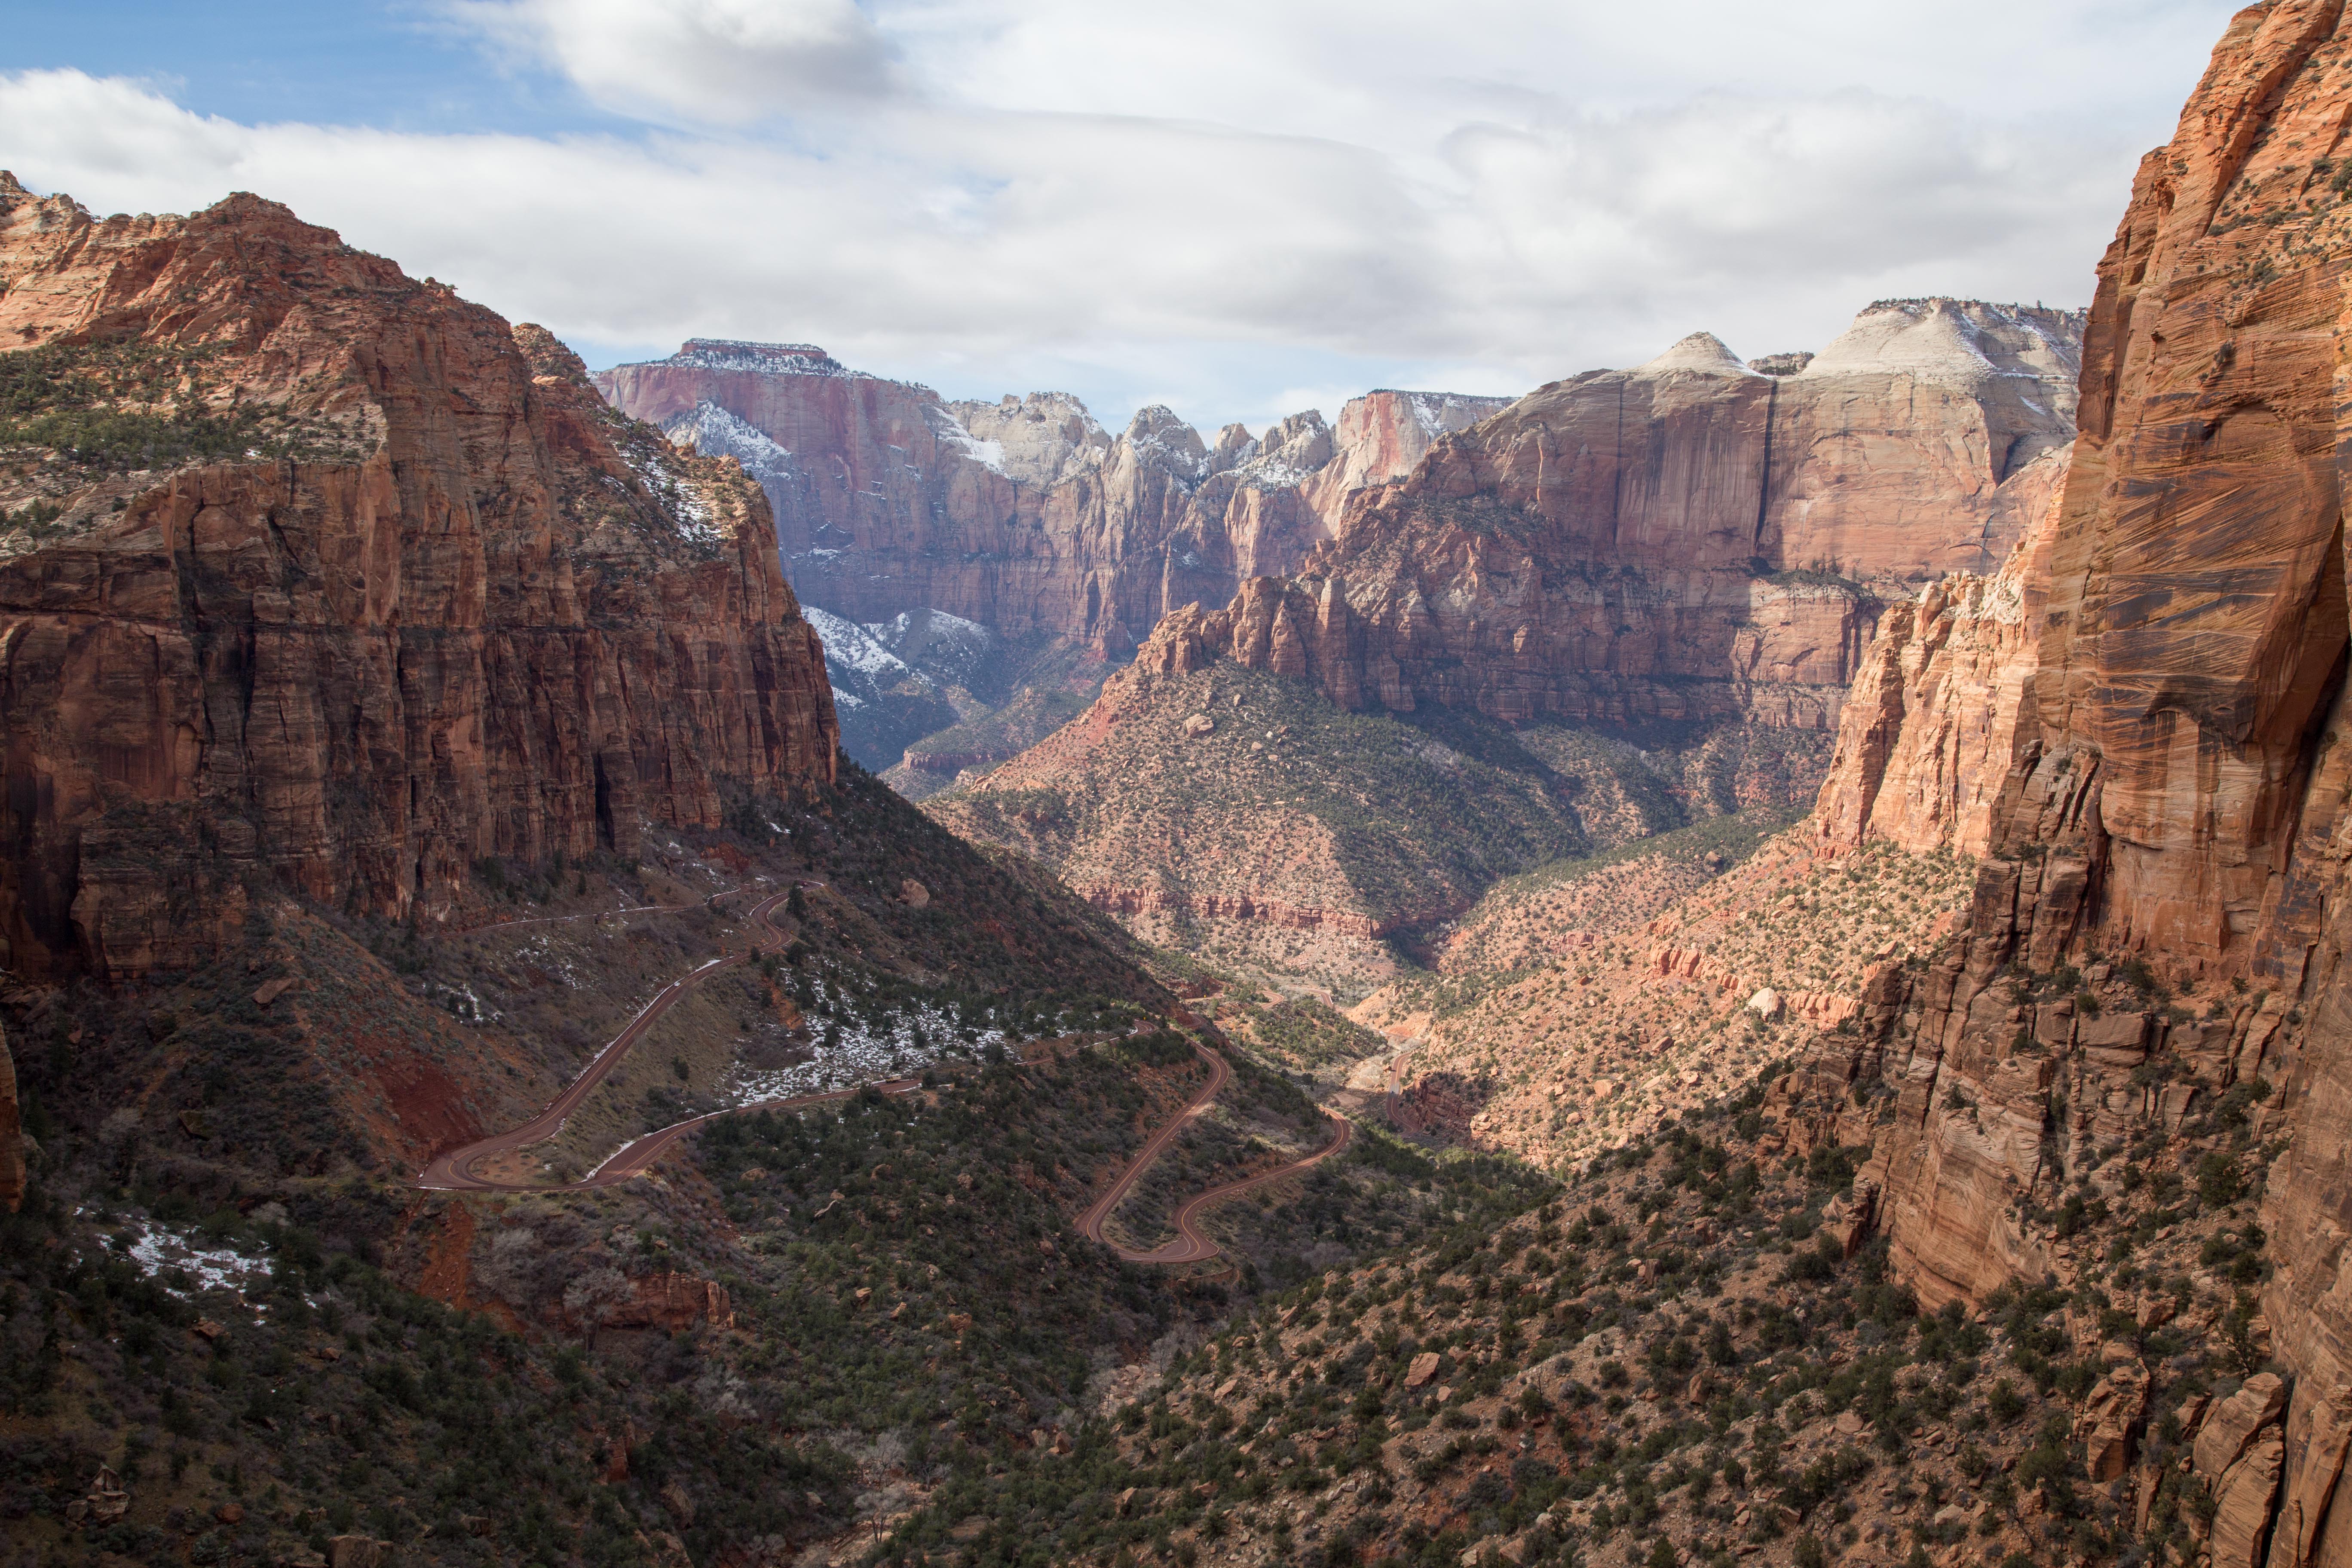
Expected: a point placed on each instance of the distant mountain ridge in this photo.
(1025, 516)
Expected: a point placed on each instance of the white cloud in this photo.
(729, 62)
(1210, 205)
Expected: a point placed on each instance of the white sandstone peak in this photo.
(1702, 353)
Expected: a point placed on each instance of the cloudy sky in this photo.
(1238, 207)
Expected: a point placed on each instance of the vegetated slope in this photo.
(977, 744)
(1527, 920)
(270, 1106)
(1694, 1353)
(1284, 826)
(1239, 818)
(786, 1335)
(1585, 1042)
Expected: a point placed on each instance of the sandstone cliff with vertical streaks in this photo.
(1688, 542)
(1024, 516)
(315, 572)
(2167, 684)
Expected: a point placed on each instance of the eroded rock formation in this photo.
(318, 572)
(1025, 515)
(1688, 542)
(2178, 767)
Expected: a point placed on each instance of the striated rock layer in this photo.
(1686, 543)
(2170, 707)
(450, 607)
(1025, 516)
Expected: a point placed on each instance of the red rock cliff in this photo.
(1024, 516)
(2179, 761)
(1690, 541)
(433, 602)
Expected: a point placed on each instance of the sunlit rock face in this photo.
(434, 602)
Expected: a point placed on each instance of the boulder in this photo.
(2111, 1419)
(2231, 1424)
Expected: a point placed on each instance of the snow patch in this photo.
(850, 647)
(865, 1052)
(951, 433)
(718, 433)
(185, 1265)
(765, 359)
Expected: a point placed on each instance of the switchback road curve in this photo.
(455, 1170)
(459, 1170)
(1189, 1245)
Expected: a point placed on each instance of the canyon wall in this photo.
(318, 574)
(2160, 694)
(1688, 542)
(1024, 516)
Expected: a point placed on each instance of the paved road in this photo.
(634, 1160)
(457, 1169)
(454, 1171)
(1190, 1246)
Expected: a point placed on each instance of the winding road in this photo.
(457, 1170)
(1189, 1245)
(460, 1169)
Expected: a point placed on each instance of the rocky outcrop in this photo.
(1384, 434)
(1932, 722)
(1688, 542)
(670, 1304)
(1024, 515)
(432, 601)
(2182, 759)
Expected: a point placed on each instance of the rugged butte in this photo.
(1024, 516)
(314, 571)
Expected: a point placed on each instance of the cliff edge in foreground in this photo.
(313, 570)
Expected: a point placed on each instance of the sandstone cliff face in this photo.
(1932, 723)
(1024, 515)
(2179, 764)
(1688, 542)
(445, 605)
